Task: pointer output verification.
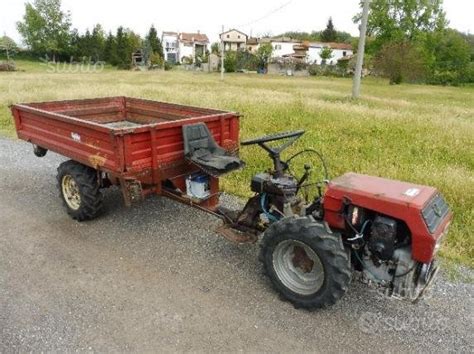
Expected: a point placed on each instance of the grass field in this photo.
(422, 134)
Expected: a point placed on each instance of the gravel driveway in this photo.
(156, 277)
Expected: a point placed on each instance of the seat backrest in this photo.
(197, 137)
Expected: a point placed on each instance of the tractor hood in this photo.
(382, 189)
(422, 208)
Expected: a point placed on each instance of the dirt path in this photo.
(155, 277)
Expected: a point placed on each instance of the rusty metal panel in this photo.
(87, 145)
(128, 137)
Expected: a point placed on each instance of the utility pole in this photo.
(360, 51)
(222, 54)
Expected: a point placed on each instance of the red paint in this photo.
(386, 197)
(150, 152)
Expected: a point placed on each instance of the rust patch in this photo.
(92, 143)
(97, 160)
(301, 260)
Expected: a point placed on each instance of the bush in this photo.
(187, 60)
(10, 66)
(168, 66)
(402, 61)
(327, 70)
(156, 60)
(246, 61)
(230, 62)
(468, 75)
(452, 63)
(445, 77)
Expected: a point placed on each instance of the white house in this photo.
(339, 50)
(282, 46)
(287, 47)
(170, 43)
(177, 47)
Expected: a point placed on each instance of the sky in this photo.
(254, 17)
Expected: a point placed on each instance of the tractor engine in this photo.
(382, 254)
(393, 230)
(382, 238)
(279, 191)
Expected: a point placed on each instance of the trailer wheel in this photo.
(306, 263)
(79, 190)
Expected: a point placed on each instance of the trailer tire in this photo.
(79, 190)
(320, 276)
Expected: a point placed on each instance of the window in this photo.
(277, 46)
(228, 36)
(238, 36)
(344, 53)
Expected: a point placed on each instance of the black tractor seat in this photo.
(201, 149)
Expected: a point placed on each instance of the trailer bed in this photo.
(128, 138)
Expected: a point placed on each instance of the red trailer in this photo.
(387, 231)
(134, 143)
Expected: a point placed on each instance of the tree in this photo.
(126, 42)
(45, 27)
(326, 54)
(264, 53)
(154, 41)
(451, 53)
(84, 46)
(8, 46)
(110, 49)
(314, 36)
(74, 43)
(470, 40)
(122, 57)
(97, 43)
(402, 61)
(215, 48)
(343, 37)
(330, 33)
(400, 20)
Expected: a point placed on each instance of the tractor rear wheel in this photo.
(79, 190)
(306, 263)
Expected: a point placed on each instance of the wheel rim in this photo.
(71, 192)
(298, 267)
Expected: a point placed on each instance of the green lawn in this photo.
(422, 134)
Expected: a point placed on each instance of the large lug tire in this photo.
(79, 190)
(306, 263)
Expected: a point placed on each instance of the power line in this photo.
(267, 15)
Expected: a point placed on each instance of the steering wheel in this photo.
(272, 137)
(274, 151)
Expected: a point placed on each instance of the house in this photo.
(233, 40)
(252, 45)
(339, 51)
(183, 47)
(170, 44)
(282, 46)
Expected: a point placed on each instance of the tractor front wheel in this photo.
(79, 190)
(306, 263)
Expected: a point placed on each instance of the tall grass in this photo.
(421, 134)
